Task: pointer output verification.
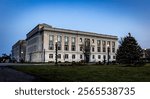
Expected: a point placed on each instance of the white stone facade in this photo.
(19, 50)
(41, 45)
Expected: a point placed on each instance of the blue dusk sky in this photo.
(113, 17)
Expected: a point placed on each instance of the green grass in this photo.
(94, 73)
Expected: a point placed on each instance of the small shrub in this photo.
(99, 63)
(113, 62)
(50, 61)
(139, 63)
(59, 61)
(66, 61)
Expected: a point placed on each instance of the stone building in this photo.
(19, 50)
(42, 39)
(146, 53)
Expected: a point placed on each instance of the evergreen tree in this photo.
(129, 51)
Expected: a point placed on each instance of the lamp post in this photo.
(145, 54)
(108, 50)
(21, 58)
(21, 54)
(56, 51)
(44, 55)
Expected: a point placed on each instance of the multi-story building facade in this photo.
(19, 50)
(42, 39)
(146, 53)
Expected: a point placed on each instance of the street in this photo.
(8, 74)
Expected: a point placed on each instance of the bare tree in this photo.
(86, 49)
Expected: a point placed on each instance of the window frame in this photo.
(50, 56)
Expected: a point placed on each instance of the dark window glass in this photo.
(66, 56)
(99, 56)
(59, 56)
(50, 55)
(73, 56)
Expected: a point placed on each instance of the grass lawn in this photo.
(93, 73)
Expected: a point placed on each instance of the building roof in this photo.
(47, 27)
(18, 43)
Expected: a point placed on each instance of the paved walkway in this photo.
(24, 64)
(10, 75)
(20, 64)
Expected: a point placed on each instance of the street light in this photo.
(21, 54)
(108, 50)
(145, 54)
(56, 51)
(22, 57)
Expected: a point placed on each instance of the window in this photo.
(81, 48)
(51, 42)
(51, 38)
(66, 48)
(93, 56)
(66, 56)
(59, 41)
(59, 47)
(66, 45)
(104, 57)
(92, 49)
(114, 57)
(99, 56)
(98, 42)
(87, 42)
(98, 45)
(98, 49)
(73, 47)
(73, 56)
(50, 55)
(113, 50)
(92, 40)
(113, 47)
(51, 46)
(66, 39)
(104, 46)
(80, 56)
(73, 40)
(59, 56)
(80, 39)
(59, 38)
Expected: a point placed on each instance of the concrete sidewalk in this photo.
(10, 75)
(24, 64)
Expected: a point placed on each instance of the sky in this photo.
(113, 17)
